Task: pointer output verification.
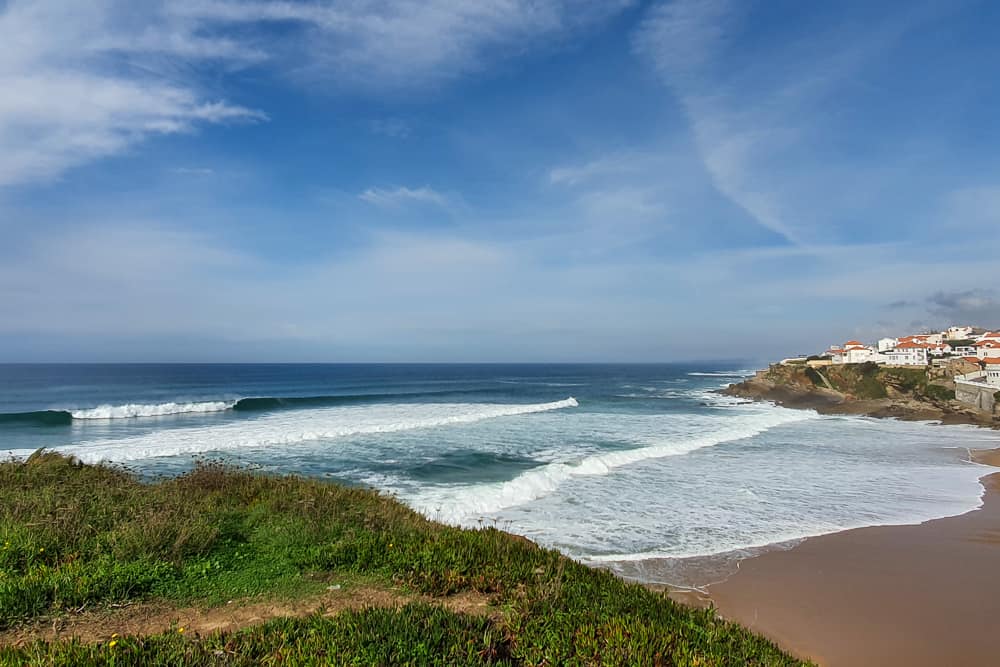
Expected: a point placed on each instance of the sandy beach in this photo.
(926, 594)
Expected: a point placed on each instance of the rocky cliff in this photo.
(867, 389)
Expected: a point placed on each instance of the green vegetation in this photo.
(866, 381)
(860, 380)
(74, 535)
(939, 393)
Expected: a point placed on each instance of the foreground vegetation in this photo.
(75, 536)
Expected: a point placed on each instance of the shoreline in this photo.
(916, 594)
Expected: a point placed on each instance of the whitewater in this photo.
(613, 465)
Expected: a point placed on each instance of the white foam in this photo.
(464, 505)
(132, 410)
(300, 426)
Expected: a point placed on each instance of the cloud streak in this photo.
(399, 197)
(761, 119)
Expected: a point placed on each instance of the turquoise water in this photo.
(608, 463)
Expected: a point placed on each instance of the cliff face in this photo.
(878, 391)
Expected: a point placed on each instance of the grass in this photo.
(74, 535)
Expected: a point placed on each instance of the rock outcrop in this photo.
(913, 394)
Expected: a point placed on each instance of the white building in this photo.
(907, 354)
(886, 344)
(992, 372)
(836, 354)
(958, 333)
(855, 353)
(939, 349)
(988, 349)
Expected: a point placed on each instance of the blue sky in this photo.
(501, 180)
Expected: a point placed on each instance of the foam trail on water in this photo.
(465, 505)
(131, 410)
(298, 427)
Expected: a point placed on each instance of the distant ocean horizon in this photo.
(610, 463)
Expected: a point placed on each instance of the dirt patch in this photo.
(144, 619)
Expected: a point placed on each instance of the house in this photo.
(988, 348)
(923, 338)
(963, 350)
(909, 353)
(958, 333)
(992, 365)
(835, 353)
(938, 349)
(856, 353)
(886, 344)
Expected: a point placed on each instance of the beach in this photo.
(913, 595)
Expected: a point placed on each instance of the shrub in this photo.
(939, 393)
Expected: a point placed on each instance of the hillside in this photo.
(306, 572)
(916, 393)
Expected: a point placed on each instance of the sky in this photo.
(493, 180)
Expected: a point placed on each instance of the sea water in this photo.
(610, 464)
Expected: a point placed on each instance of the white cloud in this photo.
(70, 96)
(391, 44)
(616, 164)
(395, 198)
(86, 80)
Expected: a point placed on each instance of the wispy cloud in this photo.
(394, 128)
(88, 80)
(616, 164)
(67, 98)
(399, 197)
(392, 44)
(193, 171)
(760, 120)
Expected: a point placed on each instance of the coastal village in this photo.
(969, 356)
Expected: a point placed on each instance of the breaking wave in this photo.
(467, 504)
(294, 428)
(251, 404)
(132, 410)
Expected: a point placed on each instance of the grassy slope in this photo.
(74, 535)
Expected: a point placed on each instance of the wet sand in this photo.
(897, 595)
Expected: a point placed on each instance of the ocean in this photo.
(611, 464)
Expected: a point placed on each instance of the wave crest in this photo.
(472, 502)
(132, 410)
(292, 428)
